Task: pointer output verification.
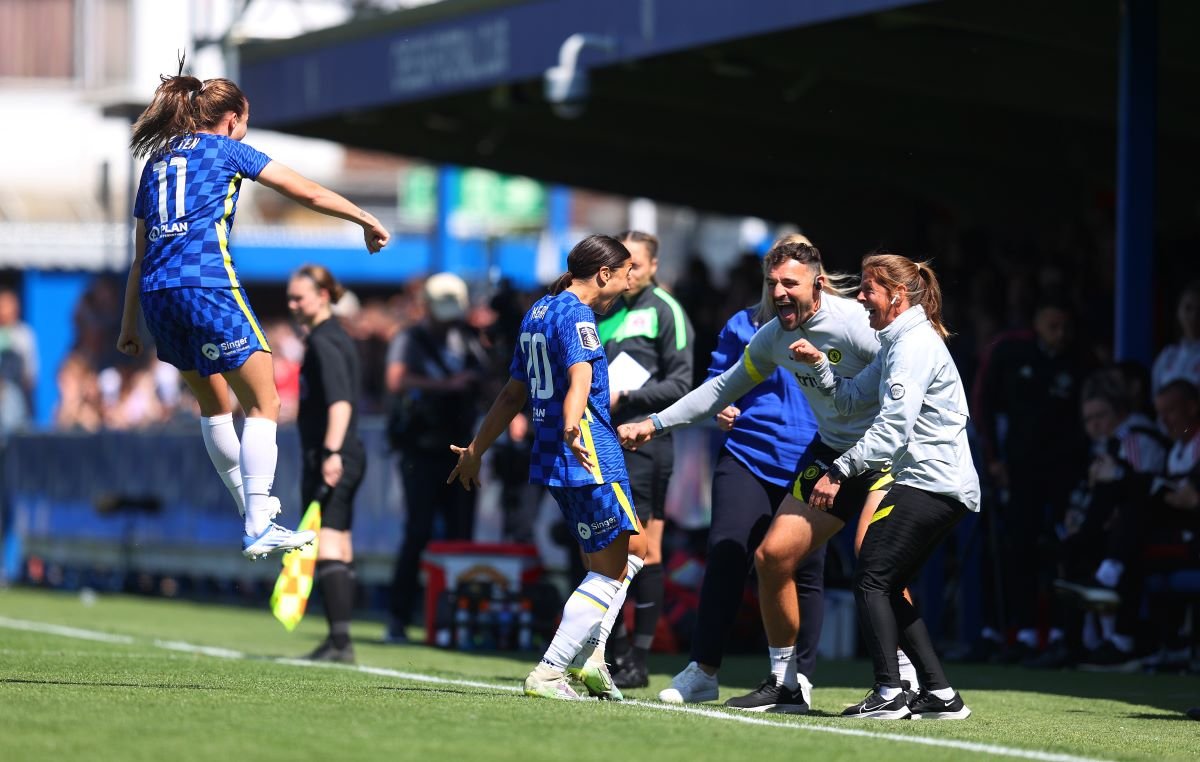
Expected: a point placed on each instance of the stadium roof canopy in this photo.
(804, 110)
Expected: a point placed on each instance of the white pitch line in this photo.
(716, 714)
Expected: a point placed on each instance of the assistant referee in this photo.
(334, 459)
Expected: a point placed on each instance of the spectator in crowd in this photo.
(333, 457)
(14, 413)
(436, 371)
(647, 334)
(18, 346)
(1028, 389)
(1182, 359)
(287, 355)
(79, 404)
(129, 394)
(1100, 532)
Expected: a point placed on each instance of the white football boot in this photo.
(275, 539)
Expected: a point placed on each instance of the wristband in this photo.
(326, 452)
(658, 427)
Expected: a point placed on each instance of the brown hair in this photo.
(637, 236)
(322, 279)
(918, 279)
(797, 246)
(586, 259)
(182, 105)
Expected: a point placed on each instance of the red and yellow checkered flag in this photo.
(295, 582)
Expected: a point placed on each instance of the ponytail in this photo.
(918, 279)
(931, 298)
(560, 285)
(183, 105)
(586, 259)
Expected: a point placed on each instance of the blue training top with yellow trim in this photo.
(187, 197)
(558, 332)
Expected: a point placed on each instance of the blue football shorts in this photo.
(208, 330)
(597, 513)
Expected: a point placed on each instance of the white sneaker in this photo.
(690, 686)
(275, 539)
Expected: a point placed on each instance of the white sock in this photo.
(1108, 626)
(1124, 643)
(783, 666)
(224, 450)
(888, 692)
(945, 694)
(1028, 636)
(593, 649)
(259, 453)
(581, 618)
(908, 672)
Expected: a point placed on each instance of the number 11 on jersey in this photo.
(180, 165)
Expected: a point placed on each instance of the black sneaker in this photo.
(1109, 658)
(910, 693)
(327, 651)
(770, 696)
(1194, 713)
(876, 707)
(629, 673)
(929, 707)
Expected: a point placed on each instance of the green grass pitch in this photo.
(130, 678)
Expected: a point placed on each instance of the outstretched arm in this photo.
(315, 196)
(509, 402)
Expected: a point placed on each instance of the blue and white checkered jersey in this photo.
(558, 332)
(187, 197)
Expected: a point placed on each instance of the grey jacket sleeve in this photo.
(851, 395)
(709, 398)
(901, 395)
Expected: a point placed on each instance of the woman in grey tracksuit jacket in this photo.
(921, 430)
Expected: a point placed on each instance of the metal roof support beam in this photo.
(1137, 123)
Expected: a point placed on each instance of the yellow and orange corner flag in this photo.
(295, 582)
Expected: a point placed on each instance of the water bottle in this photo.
(505, 614)
(462, 624)
(525, 626)
(443, 636)
(485, 636)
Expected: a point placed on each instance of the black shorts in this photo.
(337, 506)
(649, 468)
(847, 506)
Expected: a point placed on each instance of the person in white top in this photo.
(920, 429)
(806, 309)
(1181, 359)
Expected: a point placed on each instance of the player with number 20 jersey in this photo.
(558, 332)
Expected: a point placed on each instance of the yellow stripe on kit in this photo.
(590, 599)
(882, 513)
(227, 260)
(626, 506)
(883, 482)
(585, 429)
(753, 371)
